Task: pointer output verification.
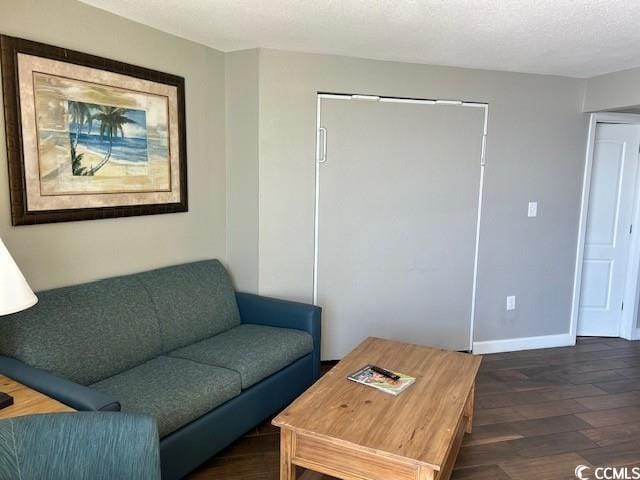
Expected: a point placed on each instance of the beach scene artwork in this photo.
(103, 136)
(90, 138)
(96, 138)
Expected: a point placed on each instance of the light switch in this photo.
(533, 209)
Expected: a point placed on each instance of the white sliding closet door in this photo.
(397, 219)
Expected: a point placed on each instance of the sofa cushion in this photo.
(86, 332)
(175, 391)
(193, 301)
(254, 351)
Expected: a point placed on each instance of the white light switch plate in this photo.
(511, 302)
(533, 209)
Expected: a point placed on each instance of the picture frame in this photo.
(89, 137)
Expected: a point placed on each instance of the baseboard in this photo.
(635, 335)
(524, 343)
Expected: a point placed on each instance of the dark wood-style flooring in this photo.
(539, 414)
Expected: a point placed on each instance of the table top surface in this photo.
(27, 401)
(417, 425)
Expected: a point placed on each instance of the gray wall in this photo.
(613, 91)
(68, 253)
(535, 151)
(242, 172)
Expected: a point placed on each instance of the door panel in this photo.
(596, 289)
(604, 200)
(398, 203)
(610, 211)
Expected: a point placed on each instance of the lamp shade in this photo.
(15, 293)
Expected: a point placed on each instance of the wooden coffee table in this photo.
(354, 432)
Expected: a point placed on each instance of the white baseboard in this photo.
(524, 343)
(633, 335)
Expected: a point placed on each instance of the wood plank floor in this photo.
(539, 414)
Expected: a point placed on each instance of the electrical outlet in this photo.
(532, 211)
(511, 302)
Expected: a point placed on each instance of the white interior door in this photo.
(607, 236)
(397, 220)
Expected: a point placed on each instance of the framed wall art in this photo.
(90, 138)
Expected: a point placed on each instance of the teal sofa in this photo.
(79, 446)
(177, 343)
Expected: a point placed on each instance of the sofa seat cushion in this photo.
(173, 390)
(254, 351)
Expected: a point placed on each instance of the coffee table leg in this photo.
(426, 474)
(468, 410)
(287, 468)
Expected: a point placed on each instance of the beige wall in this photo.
(535, 151)
(242, 167)
(536, 142)
(68, 253)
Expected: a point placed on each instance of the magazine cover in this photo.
(368, 377)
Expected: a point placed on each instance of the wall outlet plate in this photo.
(532, 211)
(511, 302)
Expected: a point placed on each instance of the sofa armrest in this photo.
(284, 314)
(73, 394)
(99, 445)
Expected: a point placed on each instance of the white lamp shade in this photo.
(15, 293)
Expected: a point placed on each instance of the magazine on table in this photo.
(370, 375)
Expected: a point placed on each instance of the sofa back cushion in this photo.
(86, 332)
(193, 301)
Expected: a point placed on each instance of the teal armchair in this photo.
(78, 446)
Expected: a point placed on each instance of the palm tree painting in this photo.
(102, 136)
(101, 139)
(80, 115)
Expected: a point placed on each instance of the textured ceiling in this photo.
(579, 38)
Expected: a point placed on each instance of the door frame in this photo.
(631, 294)
(320, 157)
